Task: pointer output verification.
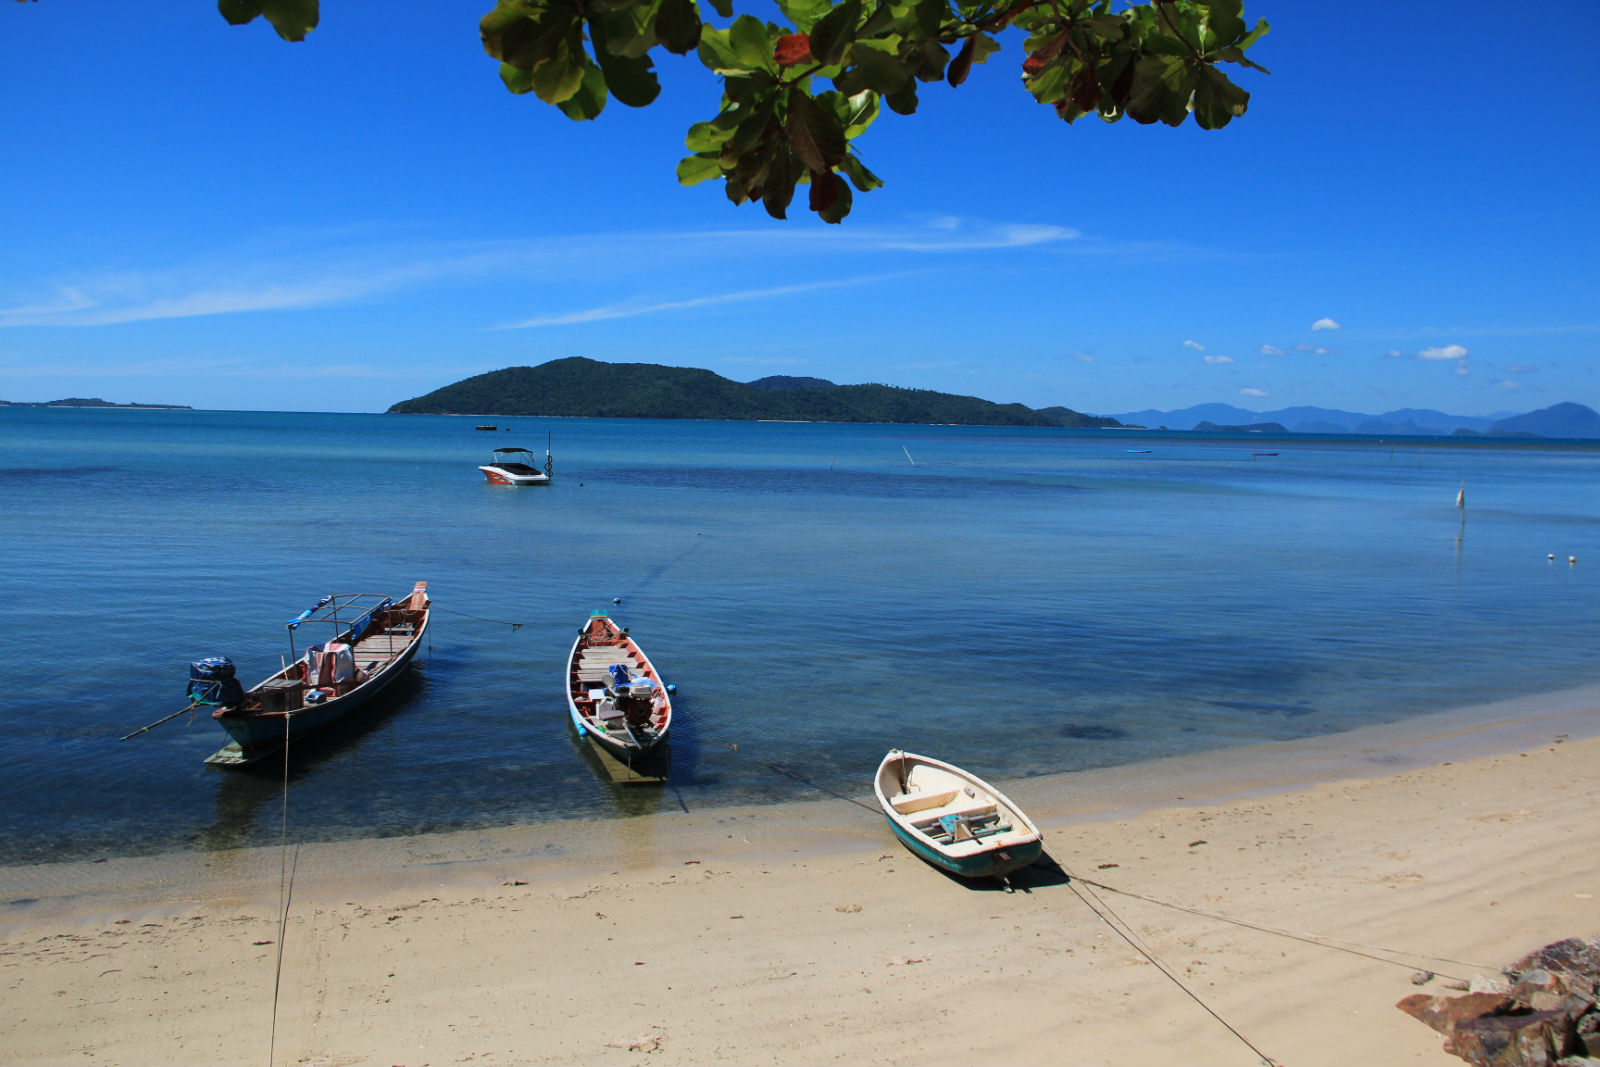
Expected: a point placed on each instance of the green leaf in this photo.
(804, 13)
(855, 112)
(778, 189)
(716, 51)
(814, 132)
(752, 44)
(678, 26)
(516, 79)
(629, 32)
(879, 66)
(630, 80)
(707, 137)
(239, 12)
(692, 170)
(834, 33)
(558, 77)
(1217, 101)
(292, 19)
(930, 58)
(590, 99)
(522, 35)
(859, 175)
(904, 101)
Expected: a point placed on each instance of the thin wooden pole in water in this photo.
(158, 722)
(907, 451)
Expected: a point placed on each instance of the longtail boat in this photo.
(373, 638)
(953, 819)
(614, 693)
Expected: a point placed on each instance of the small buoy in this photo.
(1572, 559)
(1551, 556)
(616, 600)
(671, 688)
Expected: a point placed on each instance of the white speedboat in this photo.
(513, 466)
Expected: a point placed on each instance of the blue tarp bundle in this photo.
(211, 681)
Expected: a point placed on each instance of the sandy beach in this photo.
(1283, 896)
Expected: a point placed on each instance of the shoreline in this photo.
(806, 934)
(816, 826)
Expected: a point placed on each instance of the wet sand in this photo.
(1451, 843)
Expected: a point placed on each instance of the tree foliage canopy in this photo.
(585, 388)
(795, 97)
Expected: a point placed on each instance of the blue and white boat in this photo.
(614, 693)
(954, 819)
(371, 640)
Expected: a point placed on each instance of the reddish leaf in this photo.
(793, 49)
(824, 190)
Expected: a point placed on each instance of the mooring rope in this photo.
(480, 618)
(285, 892)
(1355, 948)
(1123, 930)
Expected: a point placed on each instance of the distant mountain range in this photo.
(586, 388)
(1560, 420)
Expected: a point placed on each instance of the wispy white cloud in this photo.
(1196, 345)
(1083, 357)
(1253, 392)
(1521, 368)
(1508, 386)
(1443, 353)
(1325, 324)
(1316, 350)
(633, 309)
(1271, 350)
(1218, 359)
(305, 270)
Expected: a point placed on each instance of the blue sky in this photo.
(201, 214)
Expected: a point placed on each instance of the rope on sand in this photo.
(1103, 911)
(286, 874)
(1355, 948)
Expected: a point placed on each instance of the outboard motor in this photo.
(212, 681)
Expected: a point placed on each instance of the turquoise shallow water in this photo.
(1017, 601)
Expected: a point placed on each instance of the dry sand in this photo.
(805, 936)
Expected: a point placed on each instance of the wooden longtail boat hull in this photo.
(268, 719)
(953, 819)
(624, 726)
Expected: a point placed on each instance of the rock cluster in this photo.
(1545, 1014)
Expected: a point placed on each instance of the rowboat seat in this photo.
(908, 803)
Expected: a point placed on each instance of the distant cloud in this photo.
(1508, 386)
(1252, 392)
(1313, 349)
(1196, 345)
(1083, 357)
(1460, 369)
(1271, 350)
(1521, 368)
(1443, 353)
(1395, 353)
(1324, 324)
(628, 309)
(343, 266)
(1219, 359)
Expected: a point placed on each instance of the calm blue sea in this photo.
(1018, 601)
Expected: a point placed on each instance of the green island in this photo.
(90, 402)
(577, 387)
